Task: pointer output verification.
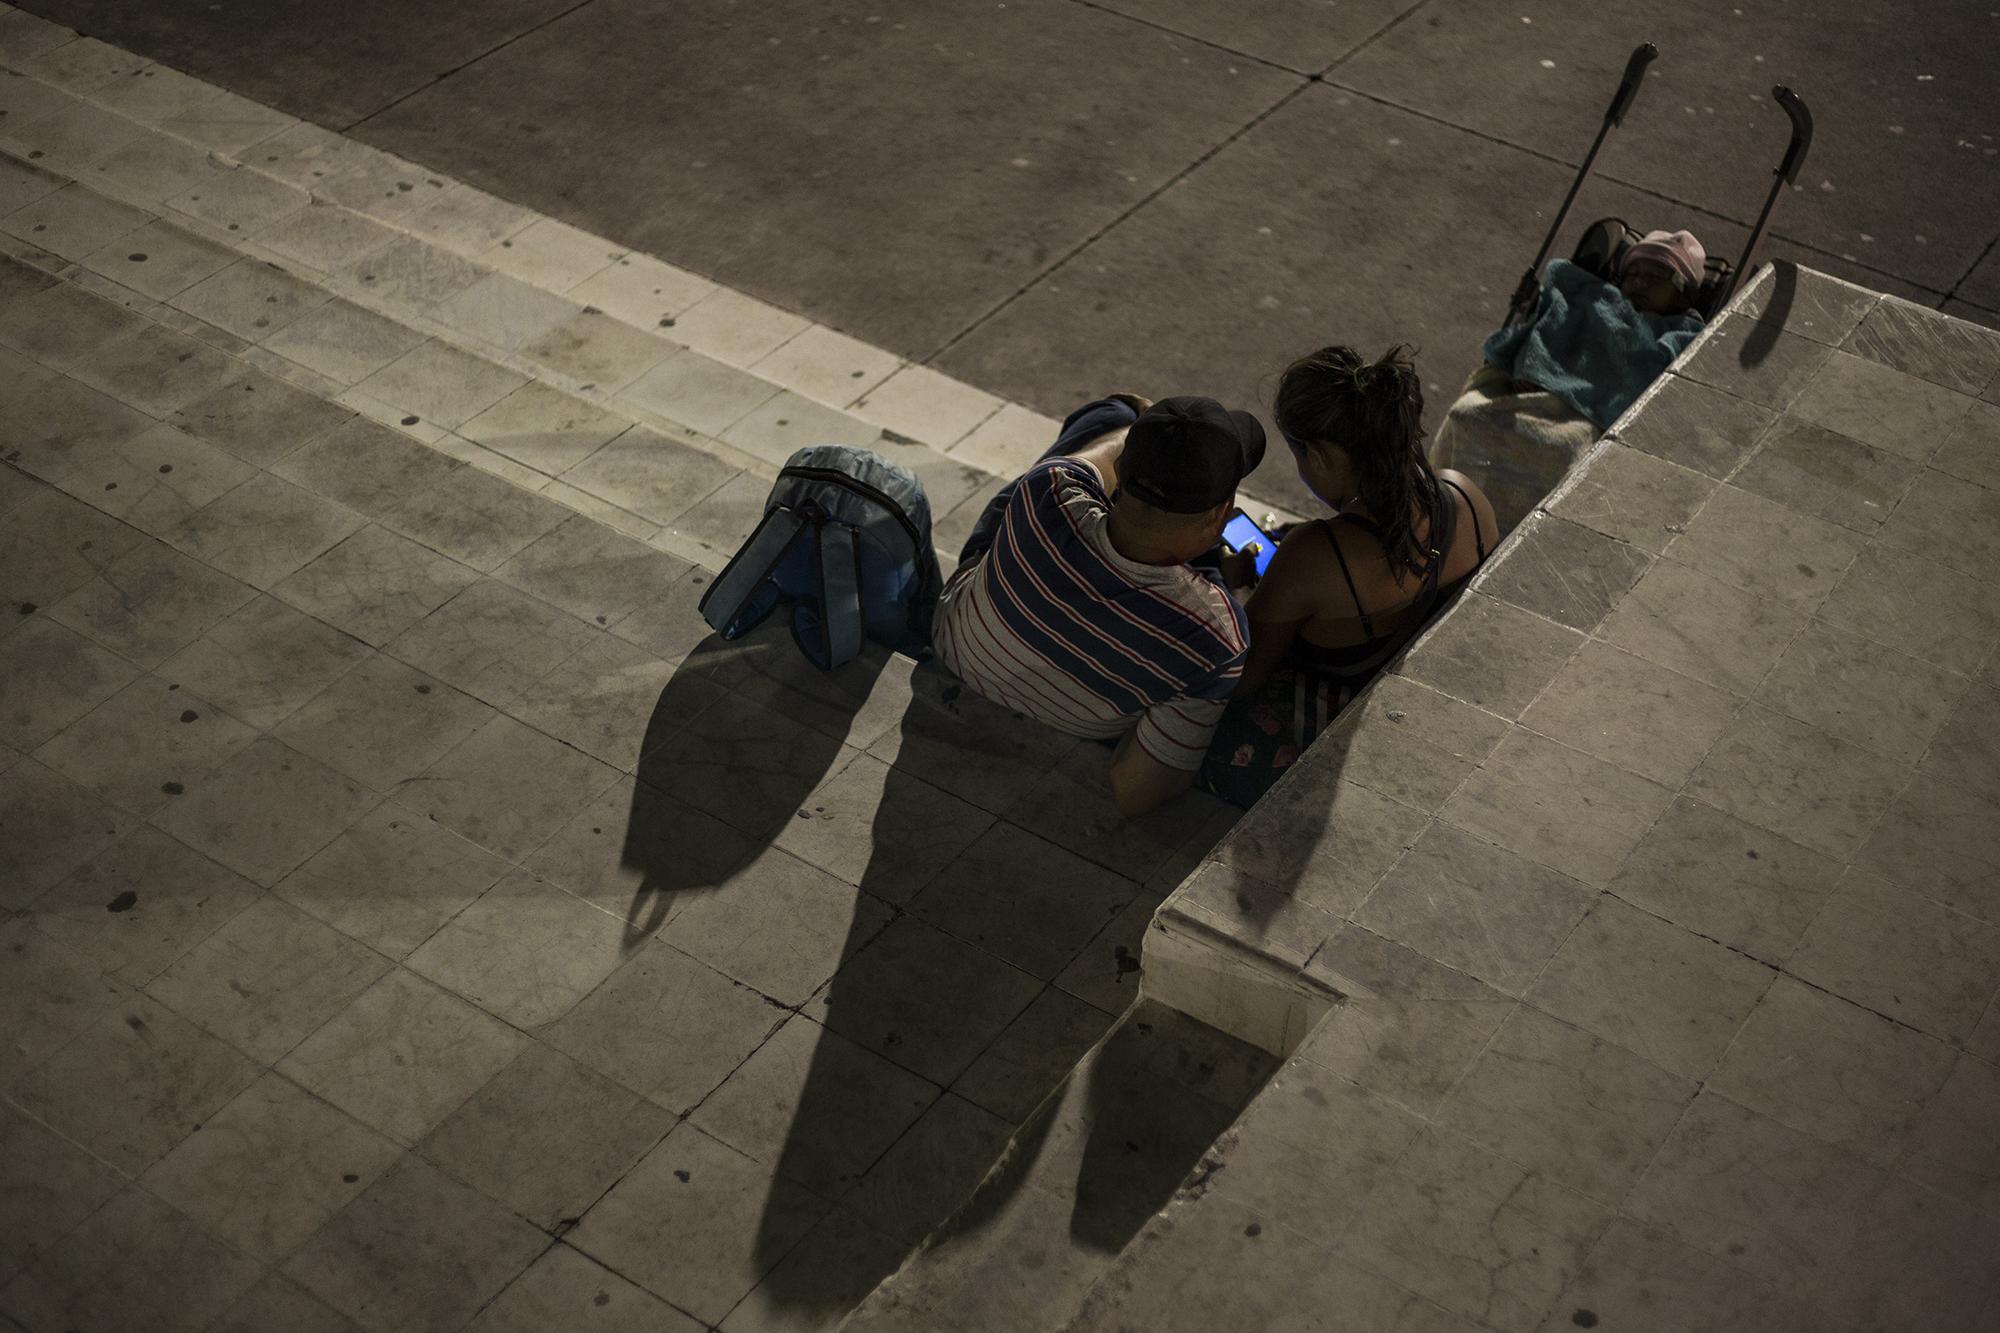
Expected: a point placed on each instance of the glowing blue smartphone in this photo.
(1240, 532)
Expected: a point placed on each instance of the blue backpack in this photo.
(845, 542)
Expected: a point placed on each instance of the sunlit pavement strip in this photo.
(430, 306)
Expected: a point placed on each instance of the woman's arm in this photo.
(1286, 598)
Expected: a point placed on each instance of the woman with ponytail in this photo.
(1344, 594)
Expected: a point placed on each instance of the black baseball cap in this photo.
(1186, 455)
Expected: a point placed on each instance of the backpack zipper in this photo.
(861, 488)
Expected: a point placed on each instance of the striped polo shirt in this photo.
(1054, 623)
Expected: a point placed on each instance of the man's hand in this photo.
(1239, 568)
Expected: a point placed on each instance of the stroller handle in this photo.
(1802, 132)
(1644, 54)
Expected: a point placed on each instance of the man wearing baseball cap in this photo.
(1074, 601)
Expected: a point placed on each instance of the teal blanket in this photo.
(1587, 345)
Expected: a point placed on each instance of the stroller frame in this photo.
(1606, 240)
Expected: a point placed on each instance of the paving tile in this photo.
(278, 1302)
(154, 167)
(374, 585)
(650, 474)
(491, 642)
(1023, 898)
(263, 661)
(141, 904)
(1625, 710)
(242, 201)
(1696, 427)
(726, 518)
(921, 403)
(1880, 407)
(1927, 1260)
(155, 369)
(1753, 361)
(391, 880)
(61, 325)
(159, 259)
(1645, 1280)
(1415, 744)
(1825, 475)
(52, 544)
(1860, 692)
(553, 254)
(504, 311)
(138, 1081)
(932, 1169)
(735, 328)
(885, 998)
(416, 1251)
(779, 925)
(1972, 450)
(547, 1136)
(403, 1056)
(259, 418)
(73, 221)
(544, 428)
(1952, 1149)
(1476, 907)
(1478, 1235)
(24, 182)
(267, 979)
(828, 367)
(1634, 497)
(947, 481)
(1323, 840)
(144, 741)
(383, 723)
(604, 699)
(836, 1266)
(70, 422)
(1900, 955)
(469, 221)
(56, 676)
(476, 518)
(48, 1186)
(1025, 1064)
(525, 952)
(743, 763)
(380, 185)
(669, 624)
(264, 529)
(856, 703)
(666, 1026)
(780, 426)
(563, 1289)
(265, 811)
(882, 830)
(441, 384)
(1220, 901)
(51, 994)
(1732, 882)
(342, 341)
(1824, 1066)
(415, 273)
(1408, 1027)
(150, 603)
(153, 480)
(365, 466)
(1530, 797)
(1946, 351)
(50, 827)
(815, 1105)
(1581, 1111)
(170, 1275)
(599, 351)
(697, 1223)
(1960, 754)
(1805, 302)
(1941, 841)
(252, 298)
(270, 1167)
(1734, 536)
(1652, 987)
(1797, 781)
(641, 290)
(590, 571)
(1939, 519)
(324, 236)
(1567, 573)
(1778, 1203)
(1895, 597)
(641, 854)
(969, 746)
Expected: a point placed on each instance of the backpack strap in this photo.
(840, 591)
(743, 581)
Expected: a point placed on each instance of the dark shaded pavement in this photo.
(1050, 198)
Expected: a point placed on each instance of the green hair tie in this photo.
(1360, 377)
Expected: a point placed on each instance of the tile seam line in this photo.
(441, 76)
(1057, 263)
(1971, 269)
(1374, 37)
